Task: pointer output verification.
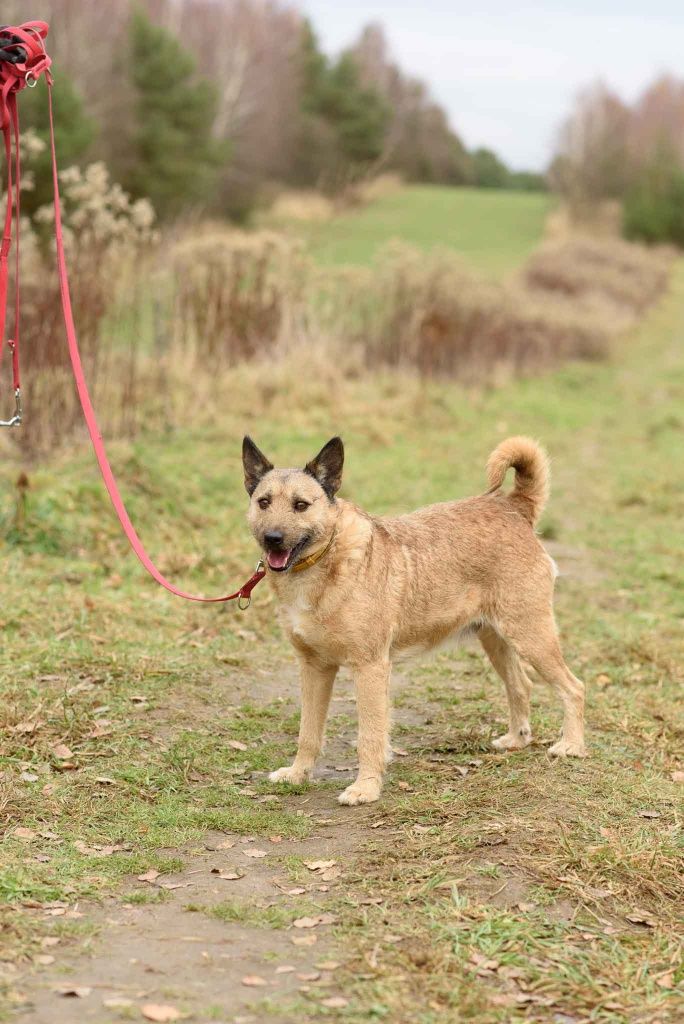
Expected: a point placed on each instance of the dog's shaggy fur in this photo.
(384, 587)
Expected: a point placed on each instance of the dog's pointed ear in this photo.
(327, 466)
(255, 464)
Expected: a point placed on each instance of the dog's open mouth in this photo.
(281, 561)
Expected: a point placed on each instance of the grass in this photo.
(494, 230)
(148, 692)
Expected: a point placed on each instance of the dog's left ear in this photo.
(327, 466)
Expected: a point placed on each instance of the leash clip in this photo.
(243, 603)
(15, 420)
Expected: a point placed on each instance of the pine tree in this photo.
(344, 124)
(175, 159)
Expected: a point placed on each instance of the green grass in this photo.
(84, 632)
(493, 230)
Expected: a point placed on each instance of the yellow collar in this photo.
(306, 563)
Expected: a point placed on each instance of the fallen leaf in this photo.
(331, 874)
(305, 940)
(320, 865)
(462, 770)
(640, 917)
(26, 727)
(328, 965)
(666, 980)
(117, 1003)
(170, 886)
(404, 786)
(95, 851)
(237, 745)
(149, 876)
(61, 751)
(309, 976)
(44, 959)
(677, 776)
(253, 981)
(74, 991)
(335, 1002)
(28, 777)
(104, 780)
(255, 853)
(298, 891)
(160, 1013)
(602, 679)
(399, 752)
(227, 876)
(275, 839)
(649, 814)
(27, 834)
(285, 969)
(313, 922)
(526, 907)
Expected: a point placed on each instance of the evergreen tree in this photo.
(175, 159)
(74, 134)
(344, 124)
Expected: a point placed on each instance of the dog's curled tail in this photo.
(531, 464)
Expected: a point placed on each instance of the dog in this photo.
(360, 591)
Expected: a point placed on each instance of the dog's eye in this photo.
(264, 502)
(301, 506)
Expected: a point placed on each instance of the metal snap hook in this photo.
(15, 420)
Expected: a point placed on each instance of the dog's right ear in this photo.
(255, 464)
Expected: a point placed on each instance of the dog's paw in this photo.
(290, 774)
(566, 749)
(363, 791)
(512, 741)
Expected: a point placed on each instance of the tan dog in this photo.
(358, 591)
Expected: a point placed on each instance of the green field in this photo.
(493, 230)
(483, 887)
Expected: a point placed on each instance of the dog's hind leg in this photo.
(541, 648)
(505, 660)
(316, 685)
(373, 708)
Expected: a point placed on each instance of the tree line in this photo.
(209, 104)
(631, 153)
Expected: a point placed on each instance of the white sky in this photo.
(507, 73)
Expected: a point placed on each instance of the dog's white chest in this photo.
(300, 620)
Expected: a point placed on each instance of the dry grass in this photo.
(628, 276)
(151, 320)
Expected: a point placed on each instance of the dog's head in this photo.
(292, 510)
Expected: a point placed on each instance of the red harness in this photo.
(23, 60)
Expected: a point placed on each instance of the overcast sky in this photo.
(507, 73)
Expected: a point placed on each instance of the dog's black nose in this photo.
(273, 540)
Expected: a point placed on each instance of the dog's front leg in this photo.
(316, 685)
(372, 705)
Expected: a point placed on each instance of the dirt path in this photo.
(186, 952)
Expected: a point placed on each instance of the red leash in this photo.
(26, 61)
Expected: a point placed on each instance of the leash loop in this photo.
(23, 59)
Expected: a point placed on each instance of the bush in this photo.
(435, 315)
(626, 276)
(654, 211)
(234, 294)
(105, 237)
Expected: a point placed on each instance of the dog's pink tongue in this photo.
(278, 559)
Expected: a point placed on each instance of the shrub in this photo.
(654, 212)
(434, 314)
(627, 276)
(105, 237)
(235, 294)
